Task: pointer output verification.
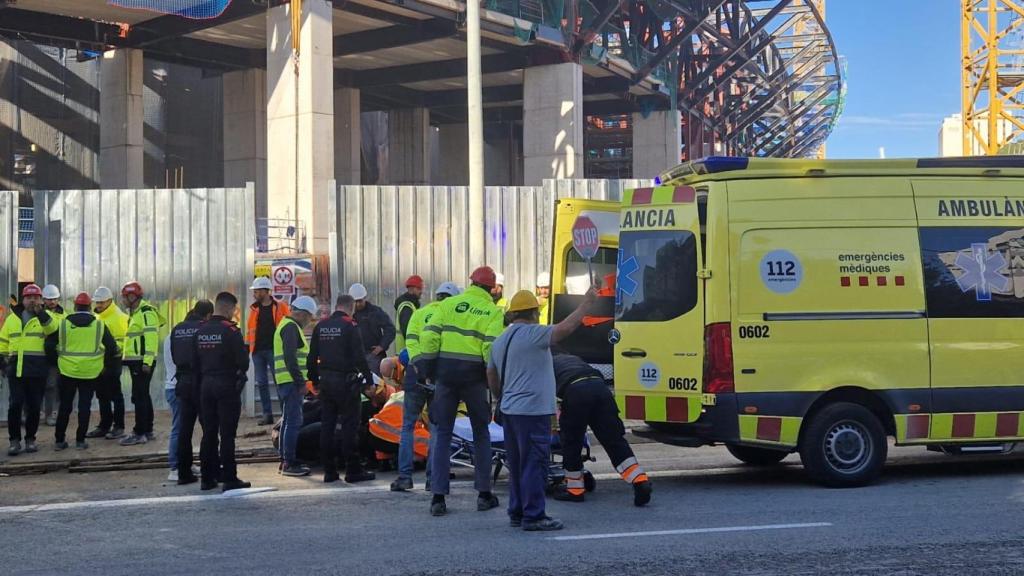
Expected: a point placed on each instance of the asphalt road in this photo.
(930, 514)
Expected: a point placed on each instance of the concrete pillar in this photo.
(245, 132)
(409, 146)
(453, 161)
(300, 119)
(347, 136)
(552, 122)
(121, 119)
(657, 142)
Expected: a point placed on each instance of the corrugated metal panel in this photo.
(382, 234)
(8, 267)
(181, 245)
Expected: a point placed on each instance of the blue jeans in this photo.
(263, 363)
(291, 406)
(528, 447)
(172, 438)
(416, 397)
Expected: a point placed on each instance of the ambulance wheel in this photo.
(589, 482)
(844, 445)
(756, 456)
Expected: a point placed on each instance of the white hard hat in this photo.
(306, 304)
(544, 280)
(51, 292)
(448, 288)
(357, 291)
(261, 283)
(499, 278)
(102, 294)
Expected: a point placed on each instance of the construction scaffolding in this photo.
(992, 48)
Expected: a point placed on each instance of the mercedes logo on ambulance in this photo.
(614, 336)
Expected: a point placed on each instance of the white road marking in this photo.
(691, 531)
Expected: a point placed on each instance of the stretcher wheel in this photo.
(589, 482)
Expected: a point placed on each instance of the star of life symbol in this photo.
(625, 282)
(982, 272)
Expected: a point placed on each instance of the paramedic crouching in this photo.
(520, 373)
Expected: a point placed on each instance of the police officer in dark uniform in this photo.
(222, 363)
(587, 401)
(338, 368)
(183, 354)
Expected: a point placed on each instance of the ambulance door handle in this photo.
(634, 353)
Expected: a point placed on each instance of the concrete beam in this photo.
(552, 123)
(121, 119)
(657, 142)
(245, 132)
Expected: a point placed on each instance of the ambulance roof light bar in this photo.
(709, 165)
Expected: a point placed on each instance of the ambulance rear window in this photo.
(657, 278)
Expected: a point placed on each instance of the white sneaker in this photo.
(173, 476)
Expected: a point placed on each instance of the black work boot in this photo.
(642, 493)
(354, 476)
(235, 484)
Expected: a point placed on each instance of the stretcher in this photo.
(462, 453)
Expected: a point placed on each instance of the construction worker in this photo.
(290, 352)
(544, 296)
(108, 390)
(337, 366)
(587, 401)
(23, 353)
(375, 327)
(51, 301)
(221, 368)
(520, 374)
(84, 347)
(405, 305)
(186, 394)
(141, 345)
(455, 347)
(498, 291)
(264, 316)
(417, 393)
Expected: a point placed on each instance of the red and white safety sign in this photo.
(585, 237)
(283, 278)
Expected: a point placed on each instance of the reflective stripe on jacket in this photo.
(387, 425)
(416, 323)
(18, 340)
(282, 375)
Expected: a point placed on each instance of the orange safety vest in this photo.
(387, 425)
(281, 309)
(608, 289)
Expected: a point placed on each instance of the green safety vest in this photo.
(80, 349)
(281, 374)
(399, 339)
(416, 323)
(18, 339)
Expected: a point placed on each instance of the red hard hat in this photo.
(132, 288)
(83, 299)
(414, 281)
(31, 290)
(484, 276)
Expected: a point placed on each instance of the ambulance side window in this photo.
(657, 275)
(973, 272)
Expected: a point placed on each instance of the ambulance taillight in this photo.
(718, 367)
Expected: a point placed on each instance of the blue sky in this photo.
(903, 75)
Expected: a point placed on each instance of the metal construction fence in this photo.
(382, 234)
(8, 267)
(180, 244)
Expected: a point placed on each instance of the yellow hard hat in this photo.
(523, 300)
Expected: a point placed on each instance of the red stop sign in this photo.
(585, 238)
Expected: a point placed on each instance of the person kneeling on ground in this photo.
(520, 373)
(587, 401)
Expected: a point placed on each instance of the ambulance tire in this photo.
(844, 446)
(756, 456)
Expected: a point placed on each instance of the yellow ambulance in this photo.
(820, 307)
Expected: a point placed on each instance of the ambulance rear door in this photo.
(570, 281)
(659, 318)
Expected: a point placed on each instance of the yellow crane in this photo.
(992, 71)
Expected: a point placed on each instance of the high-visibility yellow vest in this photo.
(117, 323)
(400, 343)
(416, 323)
(281, 373)
(18, 340)
(80, 349)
